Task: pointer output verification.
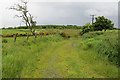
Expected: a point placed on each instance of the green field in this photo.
(93, 55)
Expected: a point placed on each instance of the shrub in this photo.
(63, 34)
(86, 28)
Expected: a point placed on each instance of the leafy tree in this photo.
(25, 15)
(102, 23)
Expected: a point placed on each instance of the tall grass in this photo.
(105, 43)
(23, 54)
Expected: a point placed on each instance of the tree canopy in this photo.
(102, 23)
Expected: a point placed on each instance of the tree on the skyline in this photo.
(102, 23)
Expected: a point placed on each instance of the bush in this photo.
(63, 34)
(86, 28)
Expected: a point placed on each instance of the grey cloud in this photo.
(66, 12)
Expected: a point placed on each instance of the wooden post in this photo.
(35, 34)
(15, 37)
(27, 36)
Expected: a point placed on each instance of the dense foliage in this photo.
(87, 28)
(102, 23)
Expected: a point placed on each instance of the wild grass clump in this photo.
(65, 35)
(87, 45)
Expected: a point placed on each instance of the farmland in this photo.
(92, 55)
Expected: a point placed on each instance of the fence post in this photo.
(35, 34)
(15, 37)
(27, 36)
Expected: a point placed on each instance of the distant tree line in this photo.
(48, 27)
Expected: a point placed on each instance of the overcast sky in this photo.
(74, 12)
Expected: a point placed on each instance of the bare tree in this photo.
(25, 15)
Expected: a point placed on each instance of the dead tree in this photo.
(25, 15)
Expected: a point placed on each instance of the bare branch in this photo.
(26, 16)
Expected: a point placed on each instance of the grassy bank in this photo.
(105, 43)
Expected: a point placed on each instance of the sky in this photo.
(60, 12)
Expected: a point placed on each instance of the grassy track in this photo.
(65, 59)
